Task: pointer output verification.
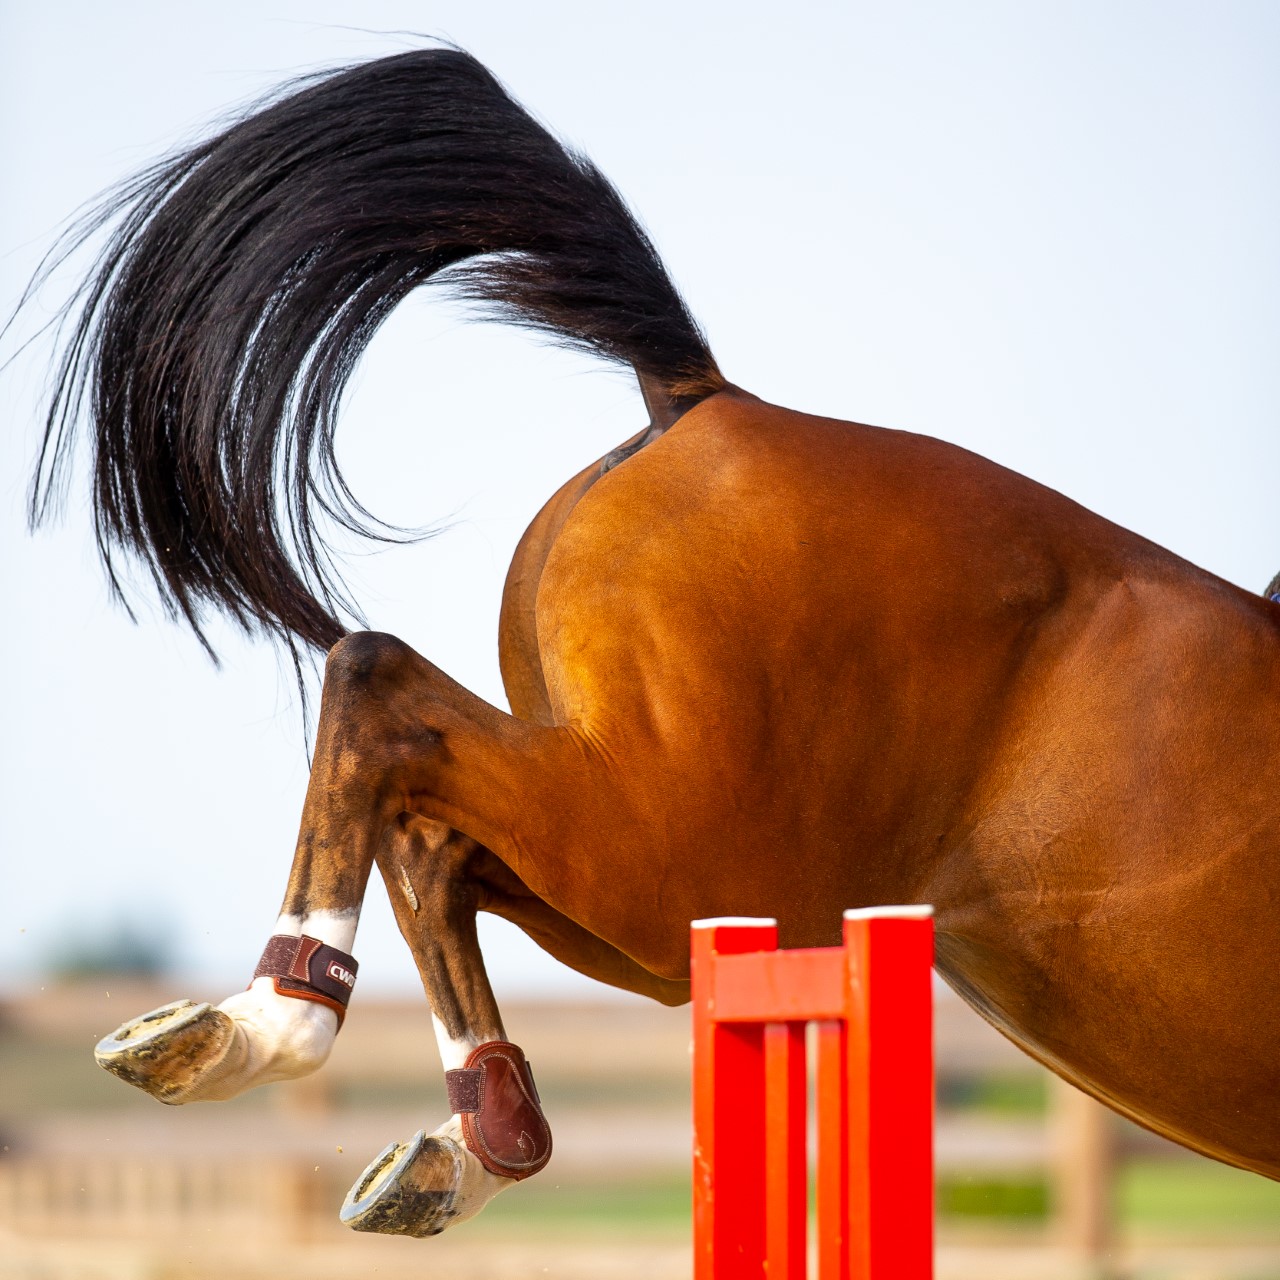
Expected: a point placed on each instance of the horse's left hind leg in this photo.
(284, 1025)
(497, 1134)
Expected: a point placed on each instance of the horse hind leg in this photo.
(497, 1135)
(392, 733)
(284, 1025)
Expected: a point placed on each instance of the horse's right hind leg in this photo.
(437, 880)
(497, 1134)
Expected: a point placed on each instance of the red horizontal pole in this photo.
(778, 986)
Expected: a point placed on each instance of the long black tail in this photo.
(244, 278)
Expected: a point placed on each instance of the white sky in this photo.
(1048, 233)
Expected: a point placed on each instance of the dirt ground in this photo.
(532, 1259)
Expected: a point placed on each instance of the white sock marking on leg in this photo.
(285, 1038)
(453, 1053)
(282, 1038)
(334, 928)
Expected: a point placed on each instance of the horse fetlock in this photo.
(420, 1187)
(174, 1052)
(284, 1038)
(189, 1052)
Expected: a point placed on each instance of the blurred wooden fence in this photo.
(70, 1185)
(77, 1197)
(288, 1199)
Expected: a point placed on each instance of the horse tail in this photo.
(243, 278)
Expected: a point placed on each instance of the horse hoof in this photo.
(170, 1050)
(410, 1189)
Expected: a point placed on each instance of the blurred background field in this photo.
(97, 1180)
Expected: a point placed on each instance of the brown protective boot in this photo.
(501, 1113)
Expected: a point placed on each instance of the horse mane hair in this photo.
(242, 279)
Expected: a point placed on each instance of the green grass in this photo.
(1026, 1199)
(1198, 1193)
(1020, 1094)
(1193, 1194)
(1159, 1194)
(657, 1204)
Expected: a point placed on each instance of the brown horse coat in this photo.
(759, 662)
(782, 662)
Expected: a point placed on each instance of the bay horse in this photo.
(759, 662)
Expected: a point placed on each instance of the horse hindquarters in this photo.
(1109, 909)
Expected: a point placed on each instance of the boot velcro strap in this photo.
(309, 969)
(465, 1086)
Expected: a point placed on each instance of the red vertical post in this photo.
(786, 1165)
(831, 1164)
(889, 1090)
(728, 1109)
